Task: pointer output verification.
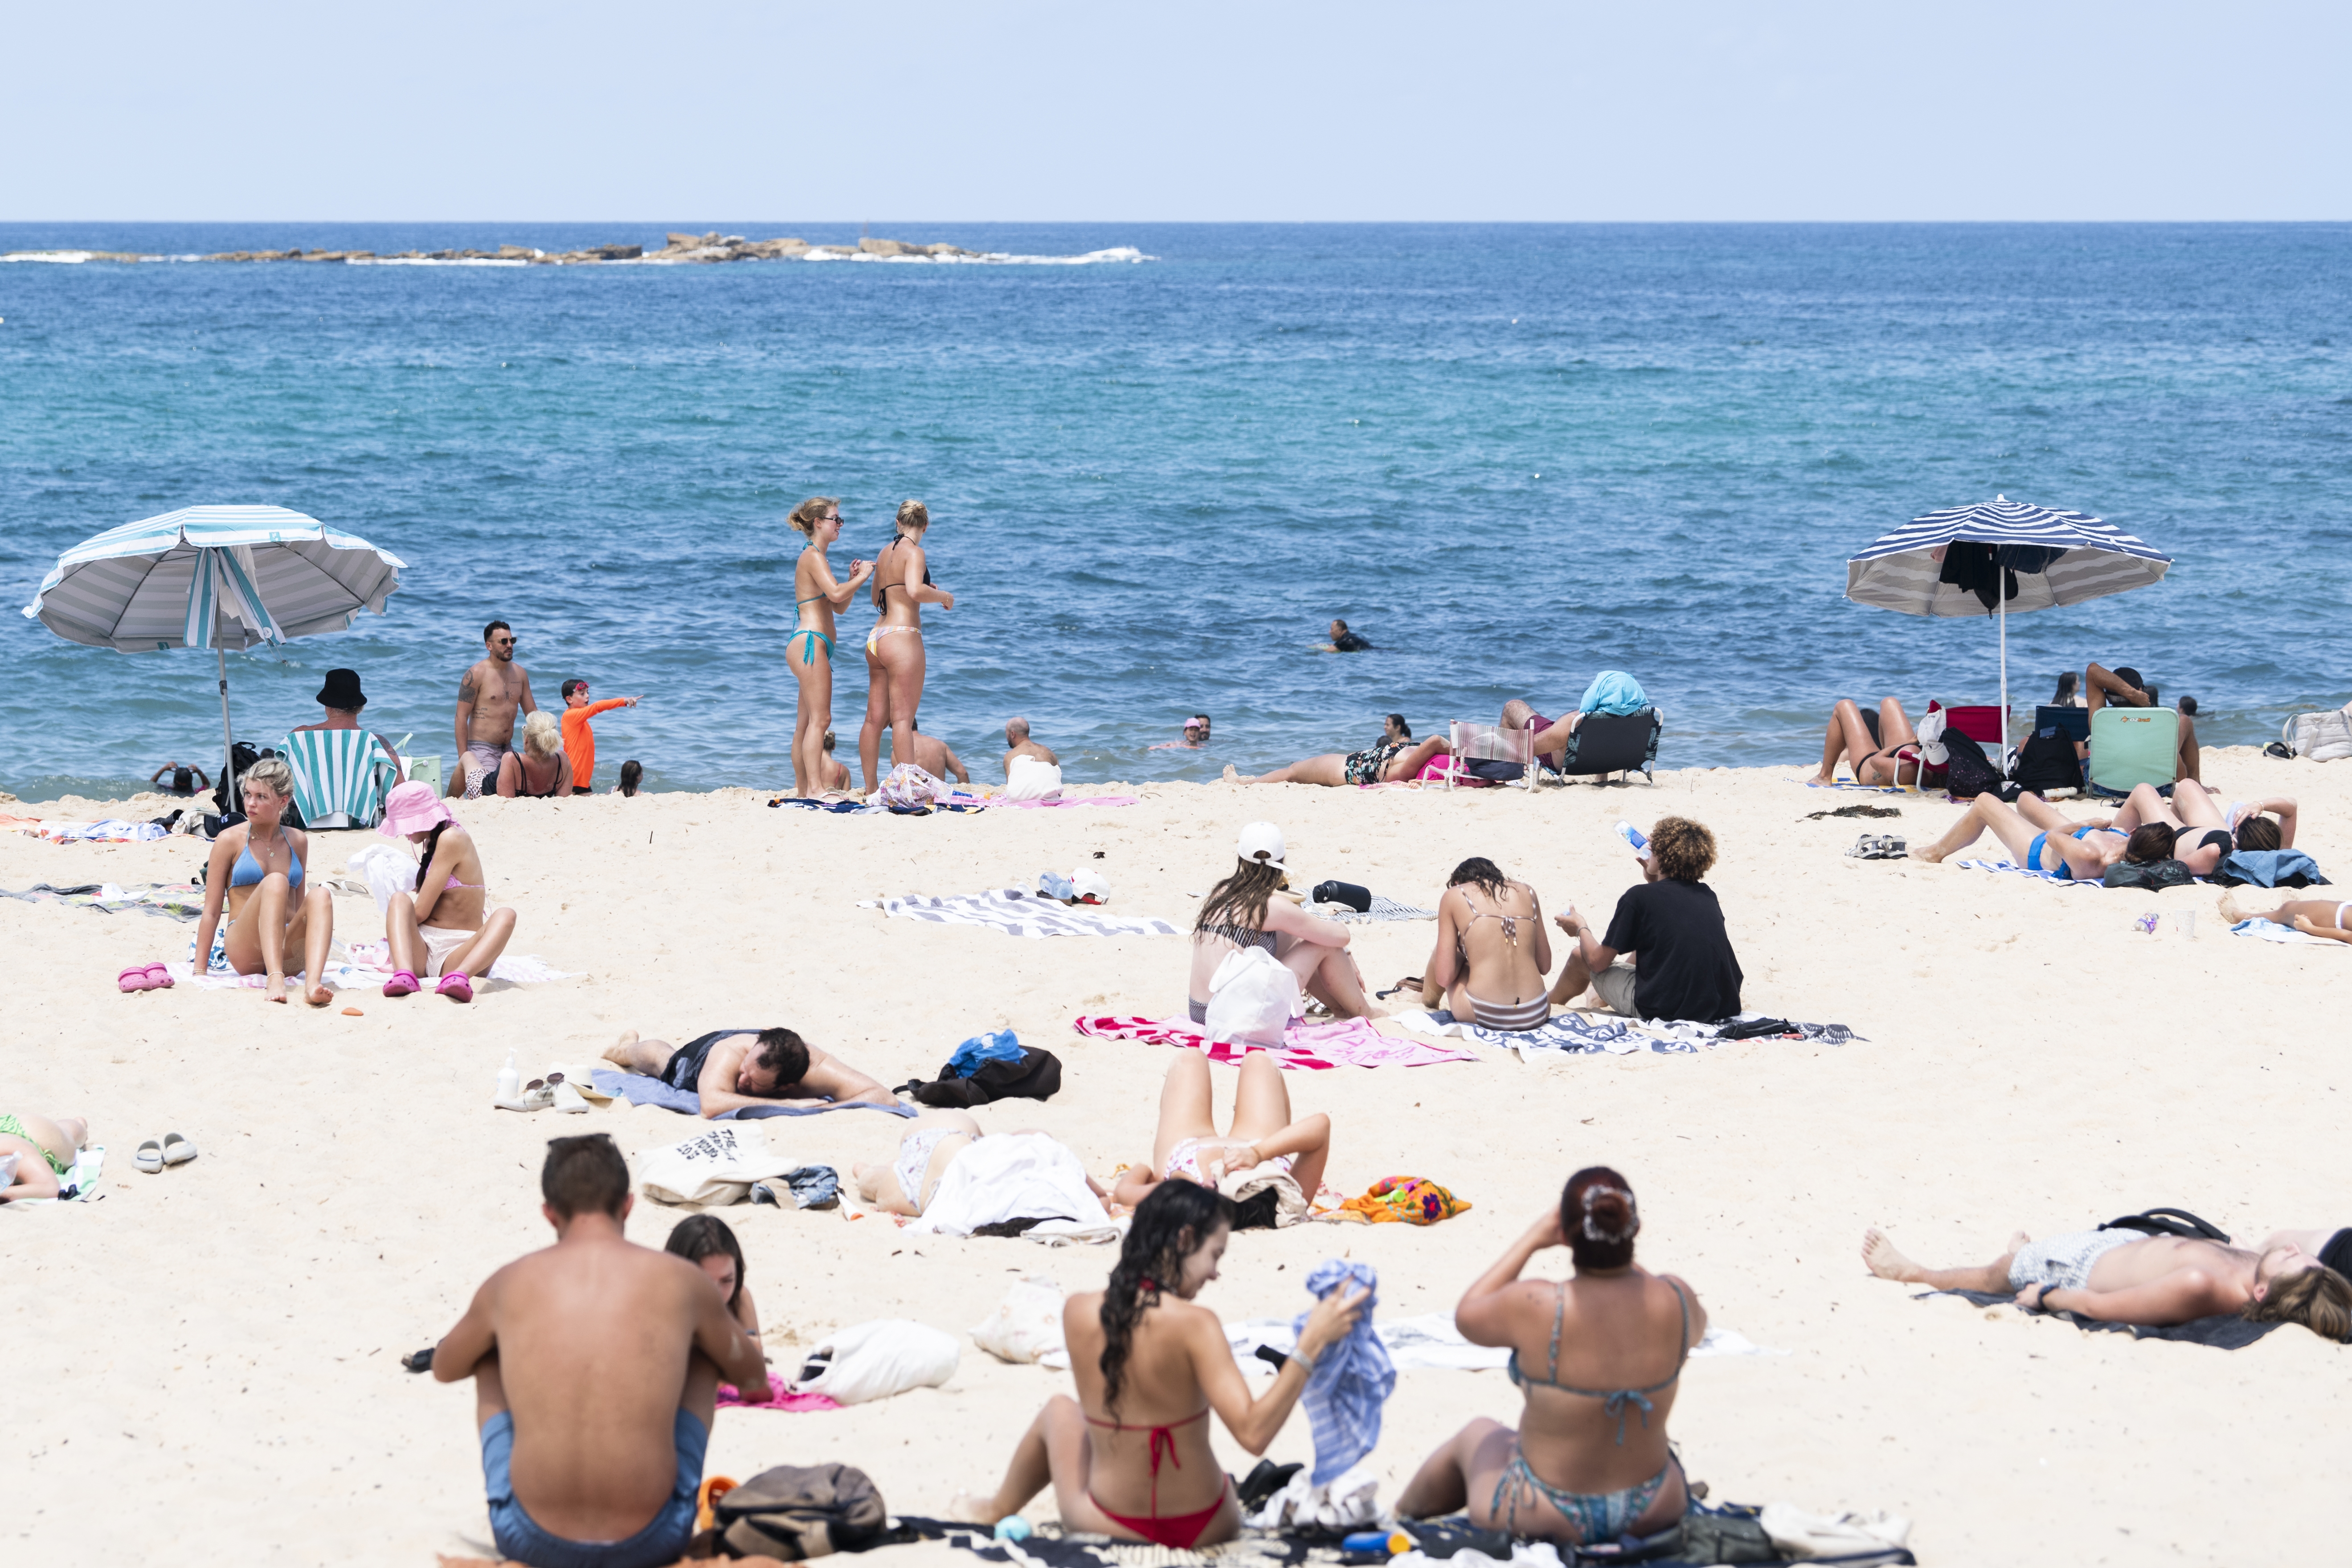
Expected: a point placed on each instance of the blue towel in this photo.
(639, 1089)
(2270, 869)
(1352, 1380)
(1004, 1046)
(1613, 691)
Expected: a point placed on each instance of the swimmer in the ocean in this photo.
(1196, 735)
(1342, 640)
(182, 782)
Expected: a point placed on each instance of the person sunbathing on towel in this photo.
(445, 926)
(732, 1069)
(927, 1146)
(1391, 759)
(1129, 1457)
(2125, 1276)
(594, 1459)
(2040, 839)
(1871, 742)
(2312, 917)
(44, 1151)
(1589, 1461)
(708, 1243)
(1492, 951)
(1243, 911)
(2204, 833)
(256, 871)
(1188, 1147)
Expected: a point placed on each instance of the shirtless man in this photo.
(595, 1364)
(732, 1069)
(1032, 772)
(936, 757)
(1018, 745)
(341, 700)
(489, 699)
(2124, 1277)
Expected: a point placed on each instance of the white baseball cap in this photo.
(1091, 884)
(1263, 841)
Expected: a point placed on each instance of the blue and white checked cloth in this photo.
(1352, 1380)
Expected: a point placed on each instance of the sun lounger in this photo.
(340, 776)
(1607, 743)
(2133, 746)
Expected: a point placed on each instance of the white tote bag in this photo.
(1252, 999)
(1026, 1325)
(2323, 737)
(876, 1360)
(714, 1167)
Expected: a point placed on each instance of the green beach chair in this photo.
(340, 776)
(2133, 746)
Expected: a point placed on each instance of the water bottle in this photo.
(1633, 835)
(509, 1080)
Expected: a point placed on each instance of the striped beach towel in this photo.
(1017, 912)
(340, 776)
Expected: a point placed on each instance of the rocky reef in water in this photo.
(678, 247)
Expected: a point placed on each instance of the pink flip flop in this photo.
(134, 980)
(456, 987)
(159, 978)
(401, 984)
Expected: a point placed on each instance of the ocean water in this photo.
(1510, 456)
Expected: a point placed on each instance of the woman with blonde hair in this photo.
(817, 597)
(894, 649)
(539, 769)
(257, 872)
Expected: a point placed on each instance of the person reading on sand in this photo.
(2040, 839)
(1589, 1461)
(1391, 759)
(592, 1459)
(1492, 951)
(1188, 1148)
(2126, 1277)
(256, 872)
(44, 1153)
(1129, 1457)
(540, 771)
(2312, 917)
(340, 700)
(708, 1243)
(489, 697)
(1671, 930)
(445, 926)
(579, 732)
(1243, 911)
(1870, 741)
(1032, 772)
(2204, 833)
(733, 1069)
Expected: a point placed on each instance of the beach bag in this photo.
(1026, 1325)
(1252, 999)
(1967, 773)
(876, 1360)
(2150, 876)
(2047, 762)
(794, 1512)
(715, 1167)
(2323, 737)
(909, 788)
(1037, 1075)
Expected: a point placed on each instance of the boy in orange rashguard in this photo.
(578, 737)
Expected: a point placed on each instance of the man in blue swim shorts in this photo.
(593, 1458)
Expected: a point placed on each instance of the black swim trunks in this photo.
(685, 1067)
(2337, 1253)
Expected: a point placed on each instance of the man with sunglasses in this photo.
(490, 697)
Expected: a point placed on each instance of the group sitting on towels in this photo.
(729, 1070)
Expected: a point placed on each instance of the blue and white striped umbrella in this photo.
(213, 576)
(2060, 558)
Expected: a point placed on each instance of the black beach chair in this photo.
(1607, 743)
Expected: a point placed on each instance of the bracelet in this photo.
(1303, 1359)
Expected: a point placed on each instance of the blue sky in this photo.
(530, 111)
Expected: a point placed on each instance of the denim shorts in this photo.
(660, 1542)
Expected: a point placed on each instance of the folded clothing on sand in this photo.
(1016, 912)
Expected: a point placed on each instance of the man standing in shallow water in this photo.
(489, 697)
(595, 1364)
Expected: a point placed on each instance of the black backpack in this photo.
(1967, 773)
(1036, 1076)
(2047, 762)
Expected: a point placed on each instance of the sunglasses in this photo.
(550, 1082)
(502, 642)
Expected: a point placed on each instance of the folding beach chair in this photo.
(1493, 744)
(2132, 746)
(1607, 743)
(1983, 724)
(340, 776)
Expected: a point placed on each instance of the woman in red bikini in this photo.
(1129, 1457)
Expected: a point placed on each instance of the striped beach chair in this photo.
(340, 776)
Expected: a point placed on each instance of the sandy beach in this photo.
(214, 1351)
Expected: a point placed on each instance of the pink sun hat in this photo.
(413, 807)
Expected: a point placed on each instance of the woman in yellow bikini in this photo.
(808, 651)
(894, 649)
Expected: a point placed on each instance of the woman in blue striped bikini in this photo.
(808, 651)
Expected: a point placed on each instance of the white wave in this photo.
(434, 261)
(62, 258)
(990, 258)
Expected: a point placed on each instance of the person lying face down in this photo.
(2124, 1277)
(731, 1068)
(1129, 1457)
(597, 1468)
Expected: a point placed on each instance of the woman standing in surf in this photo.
(894, 649)
(808, 651)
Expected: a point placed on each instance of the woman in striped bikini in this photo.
(1492, 952)
(1245, 911)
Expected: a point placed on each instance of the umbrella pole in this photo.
(228, 746)
(1999, 582)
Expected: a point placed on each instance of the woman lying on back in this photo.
(1492, 953)
(1589, 1461)
(1129, 1457)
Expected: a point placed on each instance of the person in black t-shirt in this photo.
(1670, 927)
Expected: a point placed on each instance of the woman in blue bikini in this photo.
(255, 871)
(2043, 840)
(1590, 1460)
(808, 651)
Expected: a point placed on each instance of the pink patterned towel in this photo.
(1310, 1047)
(781, 1399)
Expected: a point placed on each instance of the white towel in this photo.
(1033, 778)
(1015, 1175)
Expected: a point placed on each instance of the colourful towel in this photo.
(1312, 1046)
(781, 1397)
(1413, 1200)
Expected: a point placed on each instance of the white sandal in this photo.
(177, 1150)
(149, 1157)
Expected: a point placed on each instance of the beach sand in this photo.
(206, 1362)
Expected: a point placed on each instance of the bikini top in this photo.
(246, 872)
(1510, 923)
(1241, 936)
(881, 587)
(1164, 1441)
(1612, 1400)
(813, 598)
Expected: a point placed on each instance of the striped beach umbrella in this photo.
(1997, 558)
(213, 576)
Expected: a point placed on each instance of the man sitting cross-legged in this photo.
(595, 1364)
(731, 1068)
(2124, 1277)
